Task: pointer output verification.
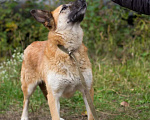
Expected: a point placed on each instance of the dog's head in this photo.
(63, 16)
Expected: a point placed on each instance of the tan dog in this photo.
(46, 65)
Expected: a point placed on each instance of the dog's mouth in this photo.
(78, 10)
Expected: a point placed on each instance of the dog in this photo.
(46, 65)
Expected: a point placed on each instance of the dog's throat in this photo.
(72, 39)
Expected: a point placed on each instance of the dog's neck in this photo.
(72, 37)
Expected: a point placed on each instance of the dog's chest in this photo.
(66, 80)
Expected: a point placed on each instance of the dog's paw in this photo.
(62, 119)
(24, 118)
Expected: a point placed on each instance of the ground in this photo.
(40, 114)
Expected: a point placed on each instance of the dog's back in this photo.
(32, 59)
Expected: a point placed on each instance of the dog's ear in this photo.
(44, 17)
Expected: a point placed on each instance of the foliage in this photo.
(17, 29)
(110, 36)
(107, 35)
(9, 80)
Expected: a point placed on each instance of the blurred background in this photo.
(118, 42)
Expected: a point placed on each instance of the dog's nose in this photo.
(81, 0)
(80, 3)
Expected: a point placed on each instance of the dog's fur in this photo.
(44, 64)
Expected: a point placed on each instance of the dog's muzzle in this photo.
(78, 10)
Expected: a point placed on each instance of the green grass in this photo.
(117, 83)
(114, 83)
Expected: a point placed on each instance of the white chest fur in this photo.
(66, 85)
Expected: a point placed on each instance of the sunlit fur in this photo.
(45, 62)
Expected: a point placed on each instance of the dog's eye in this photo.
(64, 8)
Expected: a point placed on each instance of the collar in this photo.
(61, 47)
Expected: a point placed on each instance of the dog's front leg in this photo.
(54, 105)
(90, 116)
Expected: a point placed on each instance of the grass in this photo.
(129, 82)
(114, 82)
